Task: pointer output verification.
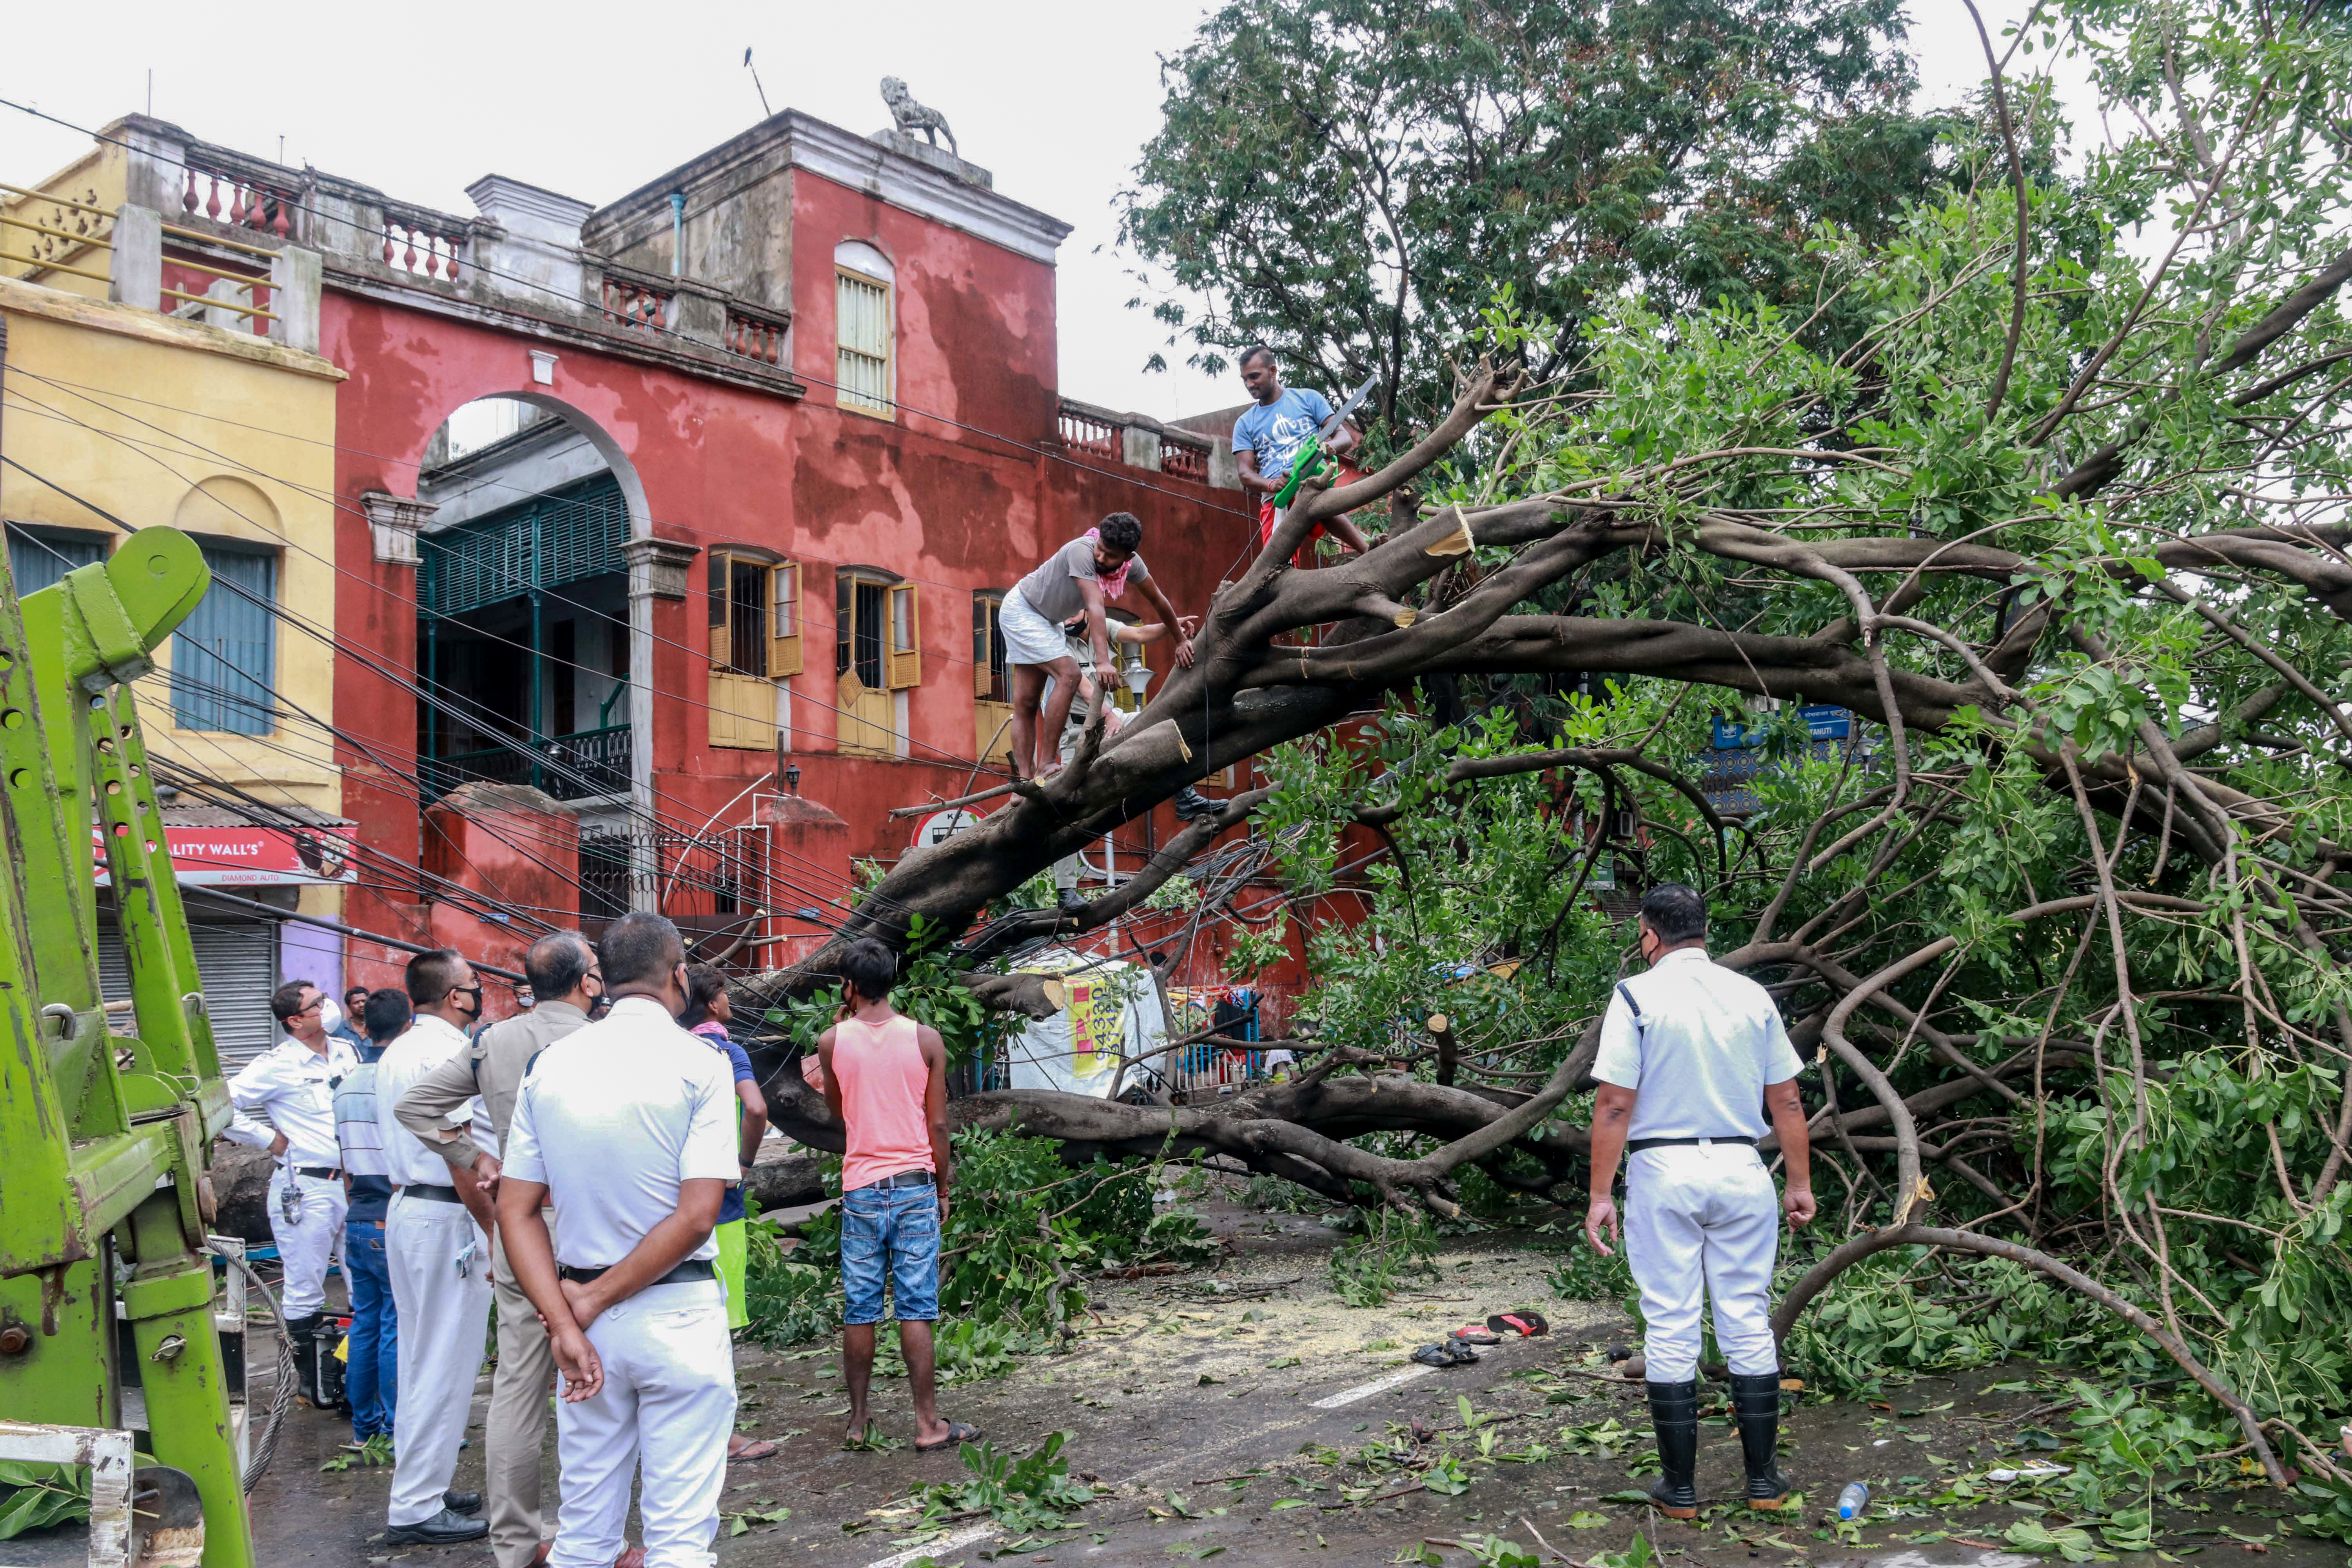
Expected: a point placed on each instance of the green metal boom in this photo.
(104, 1195)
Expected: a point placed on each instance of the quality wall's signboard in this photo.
(247, 856)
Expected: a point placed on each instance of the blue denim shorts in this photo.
(890, 1233)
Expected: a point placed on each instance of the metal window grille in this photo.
(223, 655)
(561, 537)
(862, 338)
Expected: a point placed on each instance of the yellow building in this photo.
(199, 405)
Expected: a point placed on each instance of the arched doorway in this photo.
(529, 650)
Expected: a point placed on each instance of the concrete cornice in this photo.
(794, 139)
(504, 191)
(130, 321)
(682, 355)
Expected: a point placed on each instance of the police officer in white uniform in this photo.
(437, 1243)
(1691, 1056)
(285, 1100)
(627, 1127)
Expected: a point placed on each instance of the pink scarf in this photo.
(1115, 584)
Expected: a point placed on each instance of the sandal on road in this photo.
(958, 1432)
(1448, 1352)
(1524, 1322)
(1472, 1334)
(762, 1449)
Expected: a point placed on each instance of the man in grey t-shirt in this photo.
(1691, 1056)
(1079, 577)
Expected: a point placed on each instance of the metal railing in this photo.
(569, 767)
(54, 238)
(251, 285)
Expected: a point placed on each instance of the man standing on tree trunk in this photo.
(886, 1078)
(1080, 578)
(1266, 440)
(1692, 1055)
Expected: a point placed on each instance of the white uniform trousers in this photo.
(309, 1242)
(1702, 1215)
(668, 1402)
(445, 1313)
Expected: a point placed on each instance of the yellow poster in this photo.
(1097, 1031)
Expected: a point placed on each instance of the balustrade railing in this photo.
(754, 339)
(249, 202)
(429, 250)
(640, 305)
(1183, 460)
(1087, 432)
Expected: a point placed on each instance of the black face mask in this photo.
(601, 1006)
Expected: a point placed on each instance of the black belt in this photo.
(692, 1269)
(1638, 1145)
(428, 1190)
(900, 1179)
(323, 1173)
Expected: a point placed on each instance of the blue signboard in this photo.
(1821, 722)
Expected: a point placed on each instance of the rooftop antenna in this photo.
(151, 92)
(765, 112)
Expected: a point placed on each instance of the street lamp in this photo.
(1139, 676)
(793, 777)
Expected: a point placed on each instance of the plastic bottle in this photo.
(1853, 1501)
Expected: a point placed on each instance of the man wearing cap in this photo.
(1692, 1056)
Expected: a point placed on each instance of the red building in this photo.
(769, 436)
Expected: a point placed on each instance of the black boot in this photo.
(1673, 1412)
(301, 1333)
(1755, 1405)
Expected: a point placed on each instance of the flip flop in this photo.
(958, 1432)
(762, 1450)
(1526, 1322)
(1472, 1334)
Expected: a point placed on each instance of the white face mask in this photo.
(329, 1014)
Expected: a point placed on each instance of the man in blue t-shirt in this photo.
(1266, 440)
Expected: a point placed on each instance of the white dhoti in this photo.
(1703, 1217)
(309, 1241)
(667, 1404)
(1029, 636)
(443, 1297)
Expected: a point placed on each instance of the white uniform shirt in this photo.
(289, 1088)
(612, 1119)
(429, 1042)
(1706, 1043)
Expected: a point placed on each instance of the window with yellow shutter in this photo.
(905, 639)
(754, 620)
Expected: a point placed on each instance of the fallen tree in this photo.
(2060, 918)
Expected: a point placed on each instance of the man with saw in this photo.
(1290, 427)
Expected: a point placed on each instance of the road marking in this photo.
(1366, 1389)
(944, 1543)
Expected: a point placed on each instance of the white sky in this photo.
(1056, 97)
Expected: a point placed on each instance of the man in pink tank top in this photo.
(885, 1077)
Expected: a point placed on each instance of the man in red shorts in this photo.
(1266, 440)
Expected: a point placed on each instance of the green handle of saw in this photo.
(1309, 463)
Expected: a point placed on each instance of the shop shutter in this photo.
(238, 962)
